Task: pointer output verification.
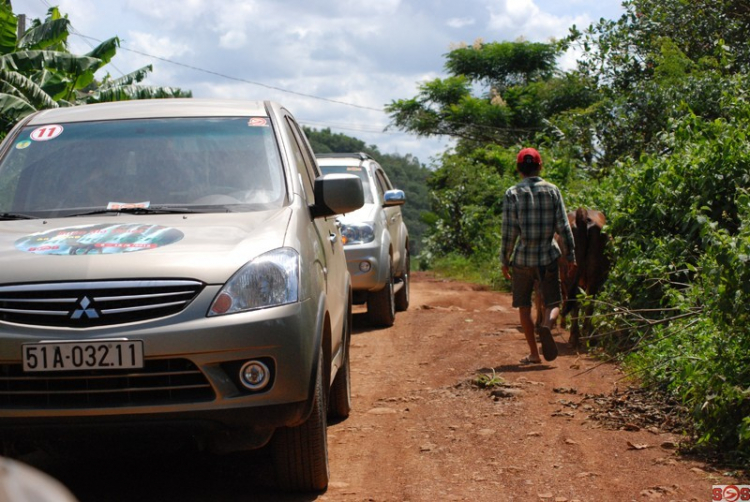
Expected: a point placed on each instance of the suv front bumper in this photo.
(191, 375)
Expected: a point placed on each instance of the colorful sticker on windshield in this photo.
(47, 132)
(257, 122)
(353, 168)
(23, 144)
(105, 238)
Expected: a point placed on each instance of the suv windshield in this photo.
(356, 170)
(199, 164)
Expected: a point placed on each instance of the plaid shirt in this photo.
(533, 211)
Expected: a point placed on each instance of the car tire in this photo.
(300, 454)
(340, 398)
(402, 297)
(381, 305)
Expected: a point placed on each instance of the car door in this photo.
(329, 237)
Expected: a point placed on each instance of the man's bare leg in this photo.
(528, 330)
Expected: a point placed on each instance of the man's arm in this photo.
(510, 233)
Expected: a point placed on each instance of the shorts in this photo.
(523, 280)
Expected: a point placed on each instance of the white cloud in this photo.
(233, 39)
(172, 13)
(162, 47)
(362, 52)
(513, 18)
(460, 22)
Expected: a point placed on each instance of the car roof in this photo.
(344, 159)
(154, 108)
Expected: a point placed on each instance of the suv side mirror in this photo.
(394, 198)
(337, 194)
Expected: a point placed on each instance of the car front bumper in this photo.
(191, 377)
(372, 278)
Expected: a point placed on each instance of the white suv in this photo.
(376, 241)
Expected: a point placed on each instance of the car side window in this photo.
(379, 185)
(386, 182)
(299, 157)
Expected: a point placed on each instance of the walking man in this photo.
(533, 212)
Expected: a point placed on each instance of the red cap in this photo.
(529, 152)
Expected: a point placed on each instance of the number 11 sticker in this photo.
(47, 132)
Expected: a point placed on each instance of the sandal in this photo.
(549, 347)
(529, 360)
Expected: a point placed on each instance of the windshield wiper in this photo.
(16, 216)
(139, 210)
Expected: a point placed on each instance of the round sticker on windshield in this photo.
(257, 122)
(104, 238)
(47, 132)
(23, 144)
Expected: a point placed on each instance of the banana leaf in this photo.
(131, 78)
(105, 51)
(54, 83)
(13, 108)
(130, 92)
(48, 34)
(31, 91)
(28, 61)
(8, 27)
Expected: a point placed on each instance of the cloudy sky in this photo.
(333, 63)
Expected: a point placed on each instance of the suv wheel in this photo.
(340, 398)
(381, 305)
(402, 297)
(300, 454)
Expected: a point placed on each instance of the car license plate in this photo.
(83, 355)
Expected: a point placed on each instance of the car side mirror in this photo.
(337, 194)
(394, 198)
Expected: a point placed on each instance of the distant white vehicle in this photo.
(376, 240)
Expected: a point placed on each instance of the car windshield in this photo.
(356, 170)
(195, 164)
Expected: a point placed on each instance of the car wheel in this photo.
(300, 454)
(381, 305)
(402, 297)
(340, 398)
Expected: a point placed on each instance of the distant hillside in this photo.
(404, 171)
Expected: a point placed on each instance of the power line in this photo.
(237, 79)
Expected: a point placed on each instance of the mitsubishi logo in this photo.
(85, 310)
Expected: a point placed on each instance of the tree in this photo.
(37, 71)
(660, 60)
(518, 88)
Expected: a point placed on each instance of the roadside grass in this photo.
(477, 270)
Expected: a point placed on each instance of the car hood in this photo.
(368, 212)
(208, 247)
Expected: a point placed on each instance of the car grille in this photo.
(90, 304)
(160, 382)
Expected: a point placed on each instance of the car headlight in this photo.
(269, 280)
(357, 233)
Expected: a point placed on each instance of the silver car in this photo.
(173, 268)
(376, 239)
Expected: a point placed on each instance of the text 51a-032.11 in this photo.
(83, 355)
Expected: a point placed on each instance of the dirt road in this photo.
(420, 431)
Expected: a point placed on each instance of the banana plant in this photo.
(37, 70)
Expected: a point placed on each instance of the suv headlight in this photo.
(357, 233)
(269, 280)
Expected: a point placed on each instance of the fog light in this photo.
(254, 375)
(364, 266)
